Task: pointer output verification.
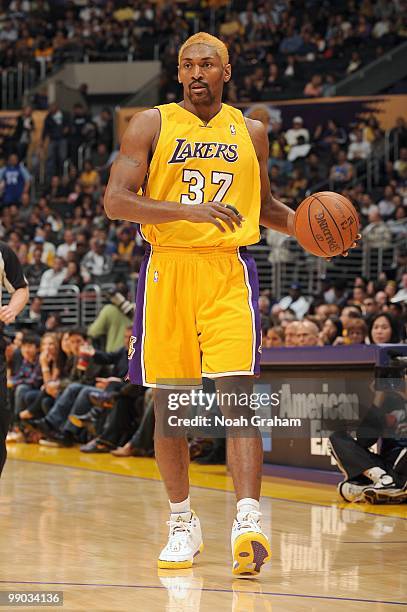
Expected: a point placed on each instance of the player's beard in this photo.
(201, 100)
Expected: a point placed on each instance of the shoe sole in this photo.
(385, 497)
(250, 551)
(162, 564)
(49, 443)
(75, 421)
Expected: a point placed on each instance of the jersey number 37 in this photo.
(196, 186)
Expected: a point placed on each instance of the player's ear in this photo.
(227, 74)
(179, 80)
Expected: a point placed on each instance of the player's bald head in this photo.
(203, 38)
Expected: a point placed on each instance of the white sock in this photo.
(180, 507)
(248, 504)
(375, 473)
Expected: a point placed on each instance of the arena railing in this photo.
(15, 82)
(92, 298)
(280, 263)
(66, 303)
(90, 303)
(380, 247)
(283, 261)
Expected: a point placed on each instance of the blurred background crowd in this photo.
(275, 45)
(66, 383)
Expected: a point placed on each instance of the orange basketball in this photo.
(326, 224)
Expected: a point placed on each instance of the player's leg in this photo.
(172, 456)
(250, 546)
(5, 414)
(368, 476)
(230, 340)
(164, 354)
(390, 487)
(171, 448)
(244, 444)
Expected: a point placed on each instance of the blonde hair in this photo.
(53, 336)
(203, 38)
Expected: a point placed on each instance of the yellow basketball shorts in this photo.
(196, 315)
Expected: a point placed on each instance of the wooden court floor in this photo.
(92, 526)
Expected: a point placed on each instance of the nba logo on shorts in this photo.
(155, 276)
(232, 129)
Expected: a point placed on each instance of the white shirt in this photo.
(359, 150)
(300, 306)
(372, 208)
(64, 249)
(292, 135)
(297, 151)
(9, 35)
(386, 208)
(380, 29)
(51, 282)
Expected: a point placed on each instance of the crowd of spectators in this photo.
(367, 313)
(66, 391)
(66, 388)
(59, 229)
(277, 47)
(280, 48)
(335, 158)
(62, 236)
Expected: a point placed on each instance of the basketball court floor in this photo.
(92, 527)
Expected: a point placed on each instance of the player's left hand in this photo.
(353, 246)
(7, 315)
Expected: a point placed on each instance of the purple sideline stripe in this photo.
(254, 284)
(212, 590)
(303, 474)
(373, 542)
(135, 365)
(363, 354)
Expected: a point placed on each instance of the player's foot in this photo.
(385, 491)
(184, 541)
(352, 491)
(250, 547)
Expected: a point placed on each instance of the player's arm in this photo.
(15, 283)
(127, 175)
(273, 213)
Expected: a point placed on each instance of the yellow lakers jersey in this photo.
(195, 163)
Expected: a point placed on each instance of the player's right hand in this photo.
(215, 212)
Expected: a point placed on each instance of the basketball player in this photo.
(13, 280)
(203, 169)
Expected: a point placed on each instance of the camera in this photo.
(118, 299)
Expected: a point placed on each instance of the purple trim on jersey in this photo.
(254, 284)
(135, 373)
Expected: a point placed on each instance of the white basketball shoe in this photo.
(250, 546)
(352, 491)
(184, 541)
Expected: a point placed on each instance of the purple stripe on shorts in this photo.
(135, 363)
(254, 284)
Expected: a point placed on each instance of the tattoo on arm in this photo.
(131, 161)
